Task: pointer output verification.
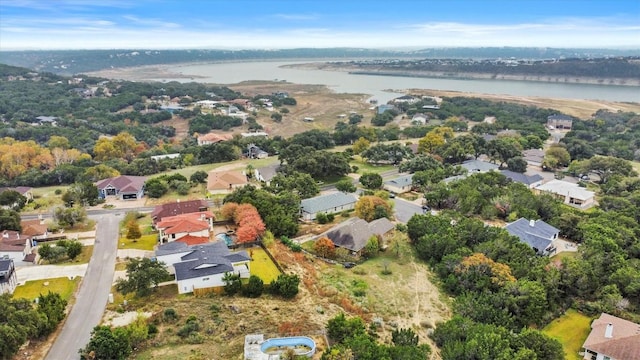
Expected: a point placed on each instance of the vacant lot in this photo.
(571, 330)
(33, 289)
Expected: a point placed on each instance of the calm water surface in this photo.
(378, 86)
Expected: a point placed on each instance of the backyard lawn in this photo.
(83, 258)
(32, 289)
(262, 266)
(571, 330)
(146, 242)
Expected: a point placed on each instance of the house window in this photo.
(173, 236)
(205, 279)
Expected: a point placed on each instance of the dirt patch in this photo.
(112, 318)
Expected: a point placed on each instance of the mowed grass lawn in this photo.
(32, 289)
(146, 242)
(262, 266)
(571, 330)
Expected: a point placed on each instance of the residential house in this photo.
(407, 99)
(202, 266)
(17, 247)
(25, 191)
(562, 122)
(399, 185)
(536, 233)
(8, 277)
(35, 229)
(353, 234)
(281, 94)
(534, 157)
(530, 181)
(385, 107)
(177, 208)
(197, 224)
(612, 338)
(478, 166)
(47, 120)
(328, 203)
(171, 108)
(124, 187)
(419, 118)
(257, 133)
(222, 182)
(570, 193)
(254, 152)
(213, 138)
(165, 156)
(266, 173)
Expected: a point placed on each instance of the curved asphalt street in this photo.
(92, 297)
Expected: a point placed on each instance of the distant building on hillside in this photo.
(561, 122)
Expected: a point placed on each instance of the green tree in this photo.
(73, 248)
(360, 145)
(106, 343)
(199, 177)
(9, 220)
(285, 286)
(404, 337)
(232, 283)
(346, 185)
(69, 217)
(517, 164)
(340, 328)
(133, 230)
(141, 275)
(254, 287)
(52, 306)
(371, 180)
(156, 187)
(372, 247)
(13, 200)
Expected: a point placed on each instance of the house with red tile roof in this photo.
(194, 224)
(612, 338)
(178, 207)
(222, 182)
(194, 240)
(213, 138)
(124, 187)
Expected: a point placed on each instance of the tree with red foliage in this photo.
(324, 247)
(246, 216)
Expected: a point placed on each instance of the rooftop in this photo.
(567, 189)
(614, 337)
(327, 202)
(535, 233)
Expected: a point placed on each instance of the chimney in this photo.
(532, 223)
(5, 234)
(203, 217)
(178, 201)
(608, 332)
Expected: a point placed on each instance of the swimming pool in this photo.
(302, 345)
(225, 237)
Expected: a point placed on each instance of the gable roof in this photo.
(184, 226)
(194, 240)
(354, 233)
(565, 188)
(208, 259)
(214, 138)
(223, 180)
(327, 202)
(124, 183)
(478, 166)
(178, 208)
(533, 155)
(20, 189)
(268, 172)
(33, 227)
(13, 241)
(174, 247)
(5, 264)
(522, 178)
(623, 341)
(401, 181)
(537, 234)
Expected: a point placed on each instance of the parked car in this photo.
(426, 208)
(392, 196)
(348, 265)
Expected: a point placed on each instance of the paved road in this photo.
(405, 209)
(92, 298)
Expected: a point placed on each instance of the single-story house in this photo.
(478, 166)
(399, 185)
(25, 191)
(257, 133)
(165, 156)
(531, 181)
(266, 173)
(222, 182)
(406, 99)
(254, 152)
(328, 203)
(213, 138)
(385, 107)
(171, 108)
(536, 233)
(353, 234)
(124, 187)
(8, 277)
(177, 208)
(36, 229)
(17, 247)
(534, 157)
(50, 120)
(570, 193)
(612, 338)
(562, 122)
(419, 118)
(202, 266)
(198, 224)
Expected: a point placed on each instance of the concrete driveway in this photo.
(39, 272)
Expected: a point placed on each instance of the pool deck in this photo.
(253, 348)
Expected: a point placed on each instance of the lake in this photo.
(377, 86)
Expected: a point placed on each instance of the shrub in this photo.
(254, 288)
(232, 283)
(321, 218)
(170, 315)
(58, 191)
(191, 326)
(285, 286)
(330, 217)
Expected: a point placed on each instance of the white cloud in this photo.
(150, 22)
(297, 17)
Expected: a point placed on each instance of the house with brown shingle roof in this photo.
(222, 182)
(16, 246)
(36, 229)
(213, 138)
(354, 233)
(195, 224)
(178, 208)
(612, 338)
(124, 187)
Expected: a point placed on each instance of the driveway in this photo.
(92, 297)
(39, 272)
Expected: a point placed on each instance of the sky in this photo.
(265, 24)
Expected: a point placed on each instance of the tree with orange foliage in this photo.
(372, 207)
(324, 247)
(228, 210)
(477, 272)
(246, 216)
(16, 157)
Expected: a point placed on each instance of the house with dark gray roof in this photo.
(536, 233)
(329, 203)
(266, 173)
(399, 185)
(125, 187)
(202, 266)
(559, 121)
(353, 234)
(530, 181)
(8, 277)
